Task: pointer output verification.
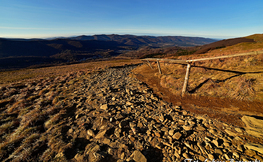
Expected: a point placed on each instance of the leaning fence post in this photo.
(159, 66)
(149, 64)
(186, 79)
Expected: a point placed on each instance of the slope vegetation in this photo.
(222, 86)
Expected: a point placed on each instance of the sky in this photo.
(199, 18)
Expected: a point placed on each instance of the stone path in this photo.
(112, 117)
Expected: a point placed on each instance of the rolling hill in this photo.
(21, 53)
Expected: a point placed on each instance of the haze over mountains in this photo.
(21, 53)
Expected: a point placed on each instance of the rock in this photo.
(60, 156)
(187, 127)
(240, 148)
(90, 133)
(184, 112)
(161, 117)
(92, 147)
(70, 131)
(255, 147)
(200, 128)
(212, 131)
(106, 141)
(211, 157)
(129, 103)
(201, 158)
(138, 156)
(96, 157)
(79, 157)
(104, 107)
(254, 126)
(177, 135)
(236, 155)
(171, 132)
(218, 151)
(157, 134)
(226, 144)
(226, 156)
(215, 142)
(100, 134)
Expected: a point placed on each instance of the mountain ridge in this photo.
(18, 53)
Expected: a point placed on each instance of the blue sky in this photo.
(204, 18)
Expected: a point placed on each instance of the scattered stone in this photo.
(132, 118)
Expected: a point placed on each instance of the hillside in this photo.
(122, 110)
(21, 53)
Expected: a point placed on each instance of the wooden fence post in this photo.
(186, 79)
(159, 66)
(149, 64)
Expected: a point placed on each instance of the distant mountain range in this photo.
(21, 53)
(134, 40)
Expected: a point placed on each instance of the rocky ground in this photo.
(109, 116)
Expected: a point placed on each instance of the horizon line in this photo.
(135, 34)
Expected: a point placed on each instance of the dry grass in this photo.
(224, 83)
(34, 112)
(237, 78)
(26, 74)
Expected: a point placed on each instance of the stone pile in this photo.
(125, 121)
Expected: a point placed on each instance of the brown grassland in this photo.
(24, 75)
(221, 88)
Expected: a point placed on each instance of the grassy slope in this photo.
(54, 71)
(240, 77)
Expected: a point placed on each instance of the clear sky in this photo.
(205, 18)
